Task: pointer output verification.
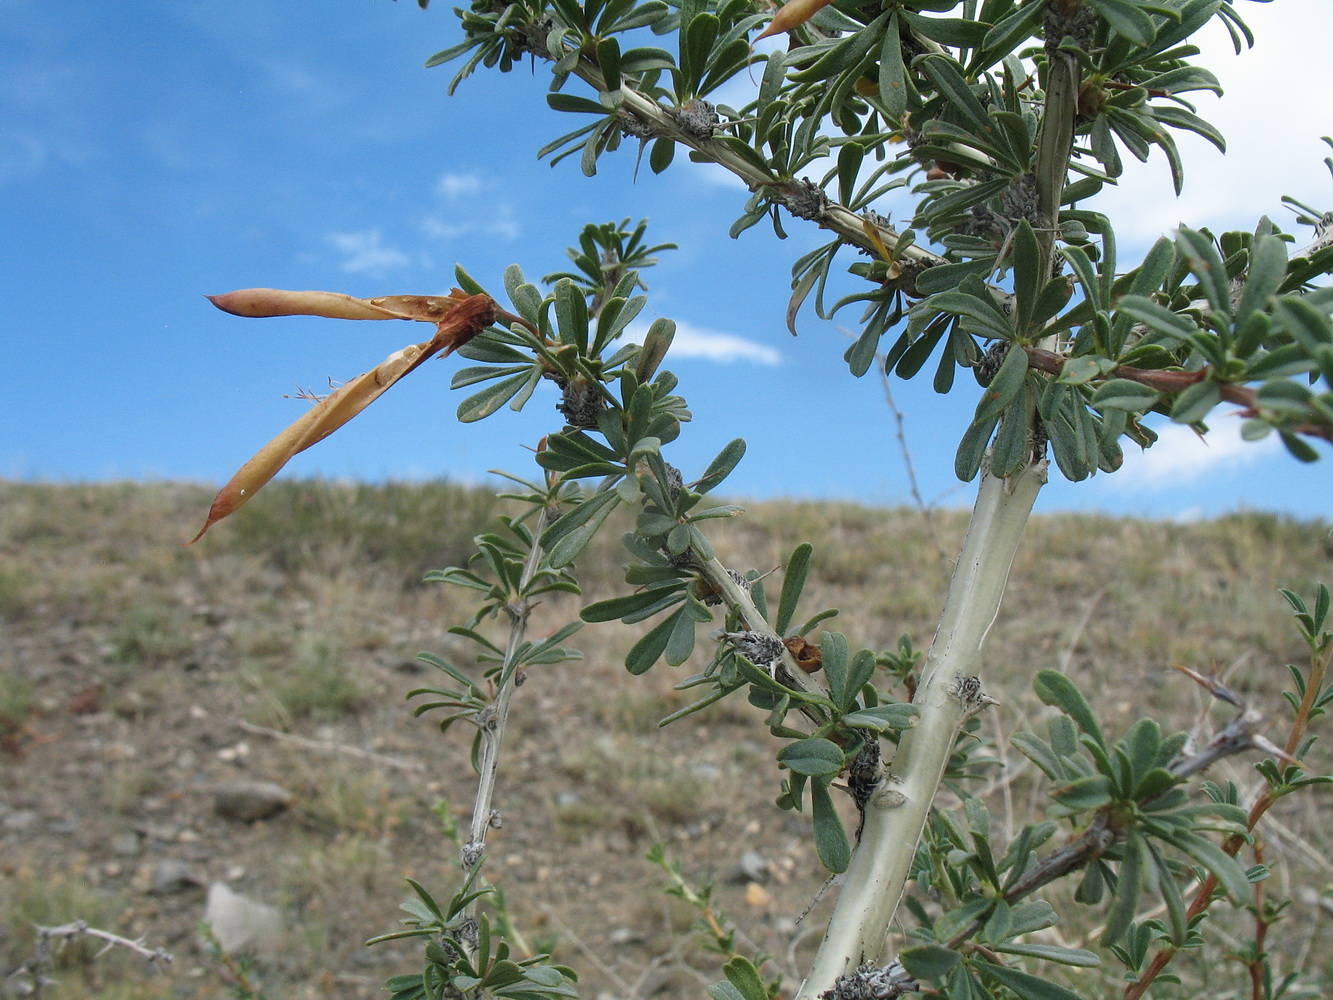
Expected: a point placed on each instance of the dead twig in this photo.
(327, 746)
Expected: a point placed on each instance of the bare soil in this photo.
(139, 675)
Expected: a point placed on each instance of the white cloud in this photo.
(1273, 145)
(365, 253)
(709, 345)
(452, 186)
(469, 213)
(501, 223)
(1180, 457)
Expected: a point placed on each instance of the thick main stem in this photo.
(897, 812)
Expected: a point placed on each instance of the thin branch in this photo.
(1203, 899)
(900, 427)
(34, 969)
(1172, 382)
(491, 721)
(327, 746)
(658, 121)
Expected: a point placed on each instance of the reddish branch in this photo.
(1232, 845)
(1175, 381)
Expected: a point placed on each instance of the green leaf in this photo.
(608, 60)
(793, 581)
(930, 961)
(656, 342)
(635, 604)
(1196, 402)
(1077, 957)
(1024, 984)
(1308, 325)
(1299, 448)
(1263, 277)
(571, 102)
(1083, 794)
(1028, 276)
(833, 651)
(815, 757)
(1125, 903)
(1285, 397)
(742, 974)
(1005, 386)
(1006, 33)
(649, 650)
(893, 79)
(662, 153)
(882, 718)
(1011, 449)
(565, 539)
(1057, 690)
(1227, 869)
(945, 74)
(1124, 394)
(1076, 371)
(721, 466)
(1127, 19)
(831, 843)
(985, 314)
(972, 449)
(849, 166)
(680, 644)
(490, 399)
(571, 313)
(1176, 328)
(1206, 263)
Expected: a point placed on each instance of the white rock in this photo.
(242, 924)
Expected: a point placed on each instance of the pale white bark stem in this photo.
(739, 598)
(898, 810)
(853, 227)
(492, 720)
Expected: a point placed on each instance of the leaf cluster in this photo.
(464, 958)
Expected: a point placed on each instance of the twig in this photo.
(900, 430)
(77, 927)
(491, 721)
(625, 990)
(1203, 898)
(327, 746)
(34, 967)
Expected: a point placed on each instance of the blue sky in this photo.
(154, 152)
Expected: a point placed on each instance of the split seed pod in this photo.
(458, 317)
(806, 654)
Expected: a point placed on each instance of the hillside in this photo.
(138, 676)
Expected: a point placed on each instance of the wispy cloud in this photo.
(1180, 457)
(453, 187)
(469, 212)
(501, 224)
(709, 345)
(364, 252)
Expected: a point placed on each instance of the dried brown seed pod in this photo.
(806, 654)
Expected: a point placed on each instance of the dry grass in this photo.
(126, 660)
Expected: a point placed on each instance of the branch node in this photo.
(873, 982)
(696, 118)
(968, 691)
(760, 649)
(805, 200)
(471, 854)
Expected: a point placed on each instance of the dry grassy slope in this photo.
(127, 661)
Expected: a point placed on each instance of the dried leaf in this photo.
(792, 14)
(458, 318)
